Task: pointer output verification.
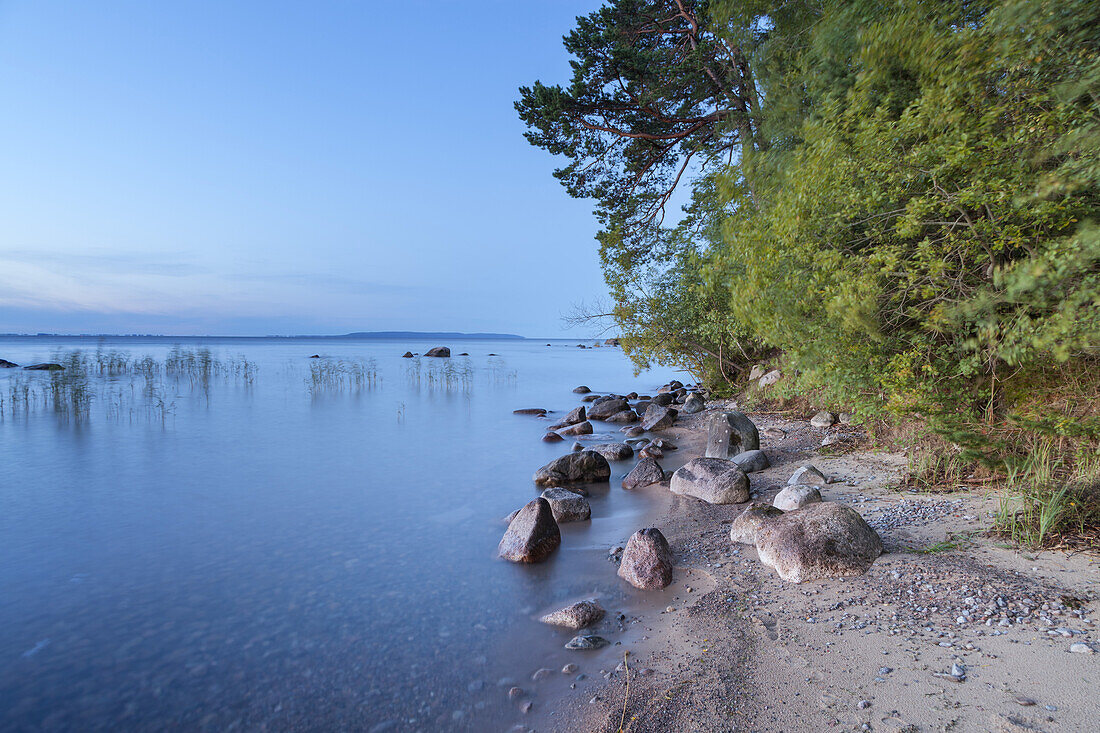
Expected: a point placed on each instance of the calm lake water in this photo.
(263, 541)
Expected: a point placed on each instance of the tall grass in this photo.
(326, 375)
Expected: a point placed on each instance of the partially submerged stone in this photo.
(439, 351)
(808, 475)
(658, 417)
(752, 461)
(729, 433)
(531, 535)
(577, 615)
(647, 560)
(821, 540)
(530, 411)
(713, 480)
(586, 642)
(581, 428)
(581, 390)
(624, 416)
(646, 472)
(567, 506)
(49, 367)
(552, 438)
(581, 467)
(614, 451)
(796, 497)
(745, 526)
(573, 417)
(605, 408)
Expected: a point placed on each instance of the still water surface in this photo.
(256, 549)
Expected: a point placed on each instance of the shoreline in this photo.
(753, 652)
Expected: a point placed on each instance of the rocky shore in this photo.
(760, 601)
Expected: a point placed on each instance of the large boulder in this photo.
(744, 528)
(540, 411)
(694, 403)
(552, 438)
(646, 472)
(658, 417)
(44, 367)
(567, 506)
(822, 540)
(614, 451)
(532, 534)
(624, 416)
(603, 409)
(576, 616)
(796, 497)
(713, 480)
(574, 416)
(581, 428)
(584, 466)
(823, 419)
(581, 390)
(663, 399)
(729, 433)
(5, 364)
(441, 351)
(406, 355)
(752, 461)
(647, 560)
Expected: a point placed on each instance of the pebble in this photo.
(1080, 648)
(542, 674)
(515, 692)
(864, 704)
(1025, 701)
(586, 642)
(569, 668)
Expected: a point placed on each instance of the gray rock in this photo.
(694, 403)
(796, 497)
(729, 433)
(637, 443)
(586, 642)
(624, 416)
(634, 431)
(601, 410)
(775, 433)
(1081, 648)
(574, 416)
(542, 674)
(647, 560)
(646, 472)
(567, 506)
(664, 444)
(583, 467)
(664, 400)
(614, 451)
(808, 475)
(552, 438)
(770, 378)
(590, 398)
(532, 535)
(581, 428)
(406, 355)
(821, 540)
(823, 419)
(529, 411)
(743, 529)
(5, 364)
(756, 372)
(752, 461)
(581, 390)
(576, 616)
(440, 351)
(44, 367)
(658, 417)
(713, 480)
(845, 418)
(651, 451)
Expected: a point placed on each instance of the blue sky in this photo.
(194, 167)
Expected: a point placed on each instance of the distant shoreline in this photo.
(362, 335)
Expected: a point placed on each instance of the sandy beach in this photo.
(731, 647)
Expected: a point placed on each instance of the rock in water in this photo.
(577, 616)
(584, 466)
(406, 355)
(580, 390)
(603, 409)
(821, 540)
(713, 480)
(581, 428)
(567, 506)
(552, 438)
(796, 497)
(532, 535)
(694, 403)
(624, 416)
(808, 476)
(744, 528)
(5, 364)
(530, 411)
(647, 472)
(658, 417)
(647, 560)
(664, 400)
(572, 418)
(752, 461)
(614, 451)
(730, 433)
(586, 642)
(823, 419)
(44, 367)
(442, 351)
